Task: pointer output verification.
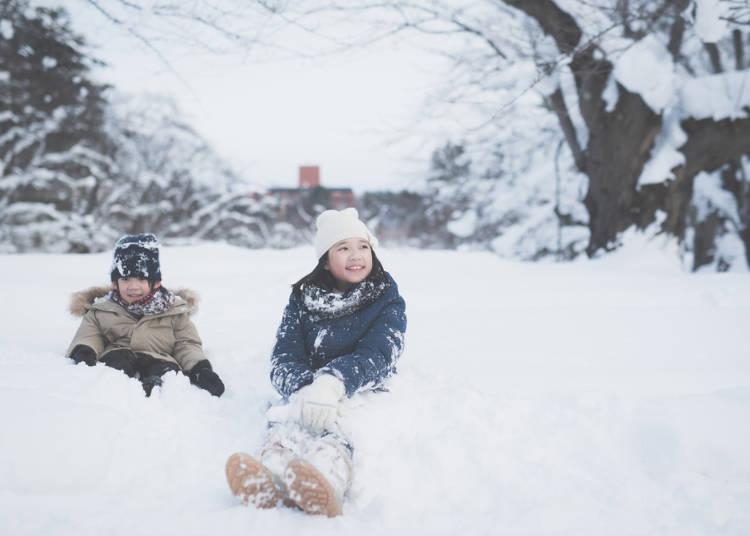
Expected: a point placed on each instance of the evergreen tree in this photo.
(53, 155)
(172, 181)
(448, 185)
(397, 217)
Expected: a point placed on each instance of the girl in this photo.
(341, 333)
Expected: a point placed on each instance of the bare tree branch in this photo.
(474, 31)
(95, 4)
(739, 49)
(553, 20)
(675, 37)
(557, 102)
(130, 5)
(739, 12)
(624, 8)
(714, 56)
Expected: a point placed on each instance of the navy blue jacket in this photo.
(359, 348)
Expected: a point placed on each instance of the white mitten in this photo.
(319, 402)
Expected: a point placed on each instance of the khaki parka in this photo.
(106, 326)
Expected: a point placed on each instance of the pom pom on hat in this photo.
(136, 256)
(335, 225)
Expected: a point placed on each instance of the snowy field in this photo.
(606, 397)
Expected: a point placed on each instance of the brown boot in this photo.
(310, 490)
(251, 481)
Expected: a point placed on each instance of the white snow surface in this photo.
(719, 96)
(597, 397)
(611, 94)
(465, 225)
(710, 196)
(665, 155)
(709, 24)
(6, 29)
(647, 68)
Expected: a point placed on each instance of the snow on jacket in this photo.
(352, 337)
(106, 326)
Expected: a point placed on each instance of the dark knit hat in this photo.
(136, 256)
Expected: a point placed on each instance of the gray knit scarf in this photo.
(158, 301)
(326, 304)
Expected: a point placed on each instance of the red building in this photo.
(309, 176)
(310, 192)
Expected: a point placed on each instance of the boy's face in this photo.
(350, 262)
(132, 289)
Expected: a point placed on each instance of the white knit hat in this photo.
(335, 225)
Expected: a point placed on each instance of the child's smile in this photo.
(132, 289)
(350, 262)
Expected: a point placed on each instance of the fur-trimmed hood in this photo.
(81, 301)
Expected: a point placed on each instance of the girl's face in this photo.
(132, 289)
(350, 262)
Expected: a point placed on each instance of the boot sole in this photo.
(310, 490)
(251, 481)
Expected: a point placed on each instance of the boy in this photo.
(137, 325)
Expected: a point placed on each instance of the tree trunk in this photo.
(710, 145)
(619, 146)
(620, 142)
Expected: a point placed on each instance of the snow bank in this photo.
(721, 96)
(665, 155)
(646, 68)
(717, 97)
(589, 398)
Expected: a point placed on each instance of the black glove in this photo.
(151, 370)
(204, 377)
(149, 382)
(121, 359)
(84, 353)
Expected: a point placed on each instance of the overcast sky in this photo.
(347, 113)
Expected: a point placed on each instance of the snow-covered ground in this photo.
(605, 397)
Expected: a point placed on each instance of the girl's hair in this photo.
(320, 277)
